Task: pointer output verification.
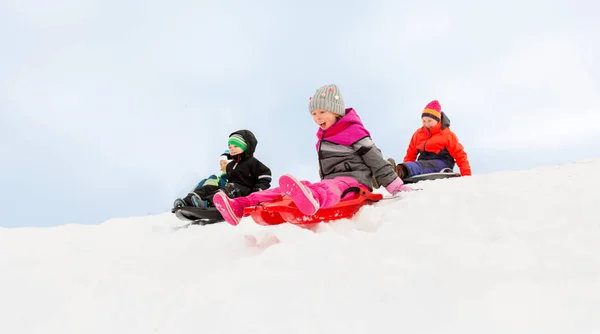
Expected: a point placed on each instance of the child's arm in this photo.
(411, 151)
(457, 151)
(264, 177)
(371, 155)
(200, 184)
(212, 180)
(222, 180)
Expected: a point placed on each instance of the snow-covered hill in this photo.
(508, 252)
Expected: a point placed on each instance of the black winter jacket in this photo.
(245, 169)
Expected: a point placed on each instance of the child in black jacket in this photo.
(245, 173)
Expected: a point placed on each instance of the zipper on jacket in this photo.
(425, 143)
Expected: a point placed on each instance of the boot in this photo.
(198, 202)
(300, 194)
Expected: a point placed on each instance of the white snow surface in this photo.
(506, 252)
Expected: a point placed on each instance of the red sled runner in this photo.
(282, 209)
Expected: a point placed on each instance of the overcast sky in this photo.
(115, 108)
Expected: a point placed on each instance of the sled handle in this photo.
(355, 190)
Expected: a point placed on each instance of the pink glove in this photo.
(397, 186)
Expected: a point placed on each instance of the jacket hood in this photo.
(445, 121)
(346, 131)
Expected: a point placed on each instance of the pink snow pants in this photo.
(327, 192)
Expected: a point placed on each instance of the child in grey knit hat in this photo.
(347, 157)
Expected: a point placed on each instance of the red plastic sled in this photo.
(282, 210)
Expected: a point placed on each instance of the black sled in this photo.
(198, 216)
(444, 174)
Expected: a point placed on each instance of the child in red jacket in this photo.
(433, 147)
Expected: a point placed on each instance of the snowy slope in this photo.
(509, 252)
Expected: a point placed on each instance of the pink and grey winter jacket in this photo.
(346, 149)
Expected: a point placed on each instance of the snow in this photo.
(506, 252)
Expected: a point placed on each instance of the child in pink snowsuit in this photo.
(347, 158)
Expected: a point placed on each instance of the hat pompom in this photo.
(328, 98)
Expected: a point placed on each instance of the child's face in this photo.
(324, 118)
(223, 164)
(234, 150)
(429, 122)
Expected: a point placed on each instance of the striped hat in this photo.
(433, 110)
(237, 140)
(328, 98)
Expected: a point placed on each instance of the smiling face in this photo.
(234, 150)
(323, 118)
(223, 164)
(429, 122)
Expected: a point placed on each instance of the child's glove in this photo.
(397, 186)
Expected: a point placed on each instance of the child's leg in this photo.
(309, 197)
(423, 167)
(329, 192)
(233, 190)
(200, 197)
(206, 191)
(326, 193)
(232, 209)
